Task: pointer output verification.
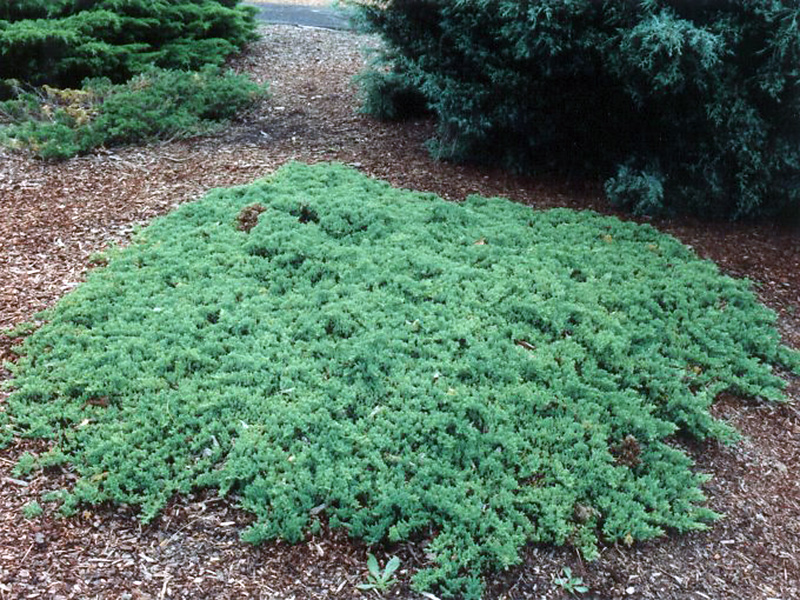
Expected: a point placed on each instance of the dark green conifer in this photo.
(61, 42)
(677, 104)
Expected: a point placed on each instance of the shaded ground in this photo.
(56, 215)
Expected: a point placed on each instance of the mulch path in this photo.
(55, 216)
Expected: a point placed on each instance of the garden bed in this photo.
(57, 215)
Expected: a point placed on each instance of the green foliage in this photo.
(157, 104)
(62, 42)
(325, 346)
(55, 496)
(20, 329)
(570, 583)
(6, 434)
(680, 105)
(26, 464)
(380, 579)
(32, 510)
(387, 95)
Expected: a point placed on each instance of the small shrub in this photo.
(155, 105)
(475, 376)
(62, 42)
(161, 104)
(680, 105)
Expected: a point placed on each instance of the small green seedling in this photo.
(571, 584)
(380, 580)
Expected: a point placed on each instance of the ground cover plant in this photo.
(156, 104)
(325, 347)
(676, 104)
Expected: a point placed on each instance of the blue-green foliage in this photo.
(5, 428)
(687, 105)
(481, 375)
(61, 42)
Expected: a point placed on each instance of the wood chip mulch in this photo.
(55, 216)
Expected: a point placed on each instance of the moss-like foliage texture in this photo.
(324, 346)
(61, 42)
(678, 104)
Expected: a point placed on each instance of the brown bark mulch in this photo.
(55, 216)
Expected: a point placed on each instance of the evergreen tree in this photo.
(678, 104)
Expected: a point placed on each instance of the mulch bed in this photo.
(55, 216)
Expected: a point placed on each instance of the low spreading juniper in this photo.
(323, 348)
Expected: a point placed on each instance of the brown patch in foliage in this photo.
(307, 215)
(627, 452)
(248, 217)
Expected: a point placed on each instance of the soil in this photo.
(56, 215)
